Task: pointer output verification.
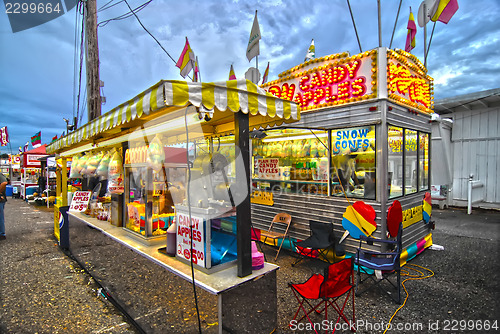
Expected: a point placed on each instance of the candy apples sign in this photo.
(328, 81)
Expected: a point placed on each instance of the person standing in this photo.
(3, 199)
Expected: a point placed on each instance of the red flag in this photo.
(37, 139)
(4, 136)
(232, 76)
(266, 73)
(445, 10)
(187, 60)
(412, 31)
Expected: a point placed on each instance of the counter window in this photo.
(410, 161)
(423, 160)
(291, 161)
(395, 163)
(353, 162)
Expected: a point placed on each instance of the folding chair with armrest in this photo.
(320, 243)
(388, 262)
(337, 281)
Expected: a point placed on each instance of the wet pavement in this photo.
(43, 290)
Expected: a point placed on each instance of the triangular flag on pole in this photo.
(445, 10)
(412, 32)
(266, 73)
(196, 70)
(311, 52)
(253, 41)
(25, 149)
(186, 60)
(232, 76)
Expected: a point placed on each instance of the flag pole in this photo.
(395, 23)
(430, 41)
(425, 35)
(379, 25)
(354, 24)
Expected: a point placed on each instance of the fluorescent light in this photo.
(267, 139)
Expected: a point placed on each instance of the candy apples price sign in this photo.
(184, 240)
(80, 201)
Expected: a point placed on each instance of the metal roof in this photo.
(479, 100)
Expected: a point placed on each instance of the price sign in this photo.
(184, 239)
(80, 201)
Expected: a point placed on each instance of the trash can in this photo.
(63, 227)
(9, 190)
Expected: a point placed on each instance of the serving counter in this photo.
(225, 284)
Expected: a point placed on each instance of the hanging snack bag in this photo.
(74, 173)
(115, 174)
(156, 154)
(102, 170)
(93, 163)
(82, 165)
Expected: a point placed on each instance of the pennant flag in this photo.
(232, 76)
(412, 32)
(358, 219)
(445, 9)
(266, 73)
(253, 41)
(54, 139)
(36, 139)
(4, 136)
(187, 60)
(25, 149)
(20, 150)
(427, 207)
(311, 52)
(196, 70)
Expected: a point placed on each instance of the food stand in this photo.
(31, 169)
(364, 129)
(166, 163)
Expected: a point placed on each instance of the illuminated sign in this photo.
(328, 81)
(407, 81)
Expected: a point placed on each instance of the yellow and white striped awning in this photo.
(234, 95)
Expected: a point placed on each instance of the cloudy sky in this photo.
(40, 66)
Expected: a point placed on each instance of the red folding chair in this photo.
(321, 292)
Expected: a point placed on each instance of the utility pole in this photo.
(92, 61)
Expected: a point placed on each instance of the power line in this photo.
(150, 34)
(126, 15)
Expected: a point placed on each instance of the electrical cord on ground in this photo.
(188, 188)
(104, 292)
(410, 277)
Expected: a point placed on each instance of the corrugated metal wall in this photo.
(329, 209)
(476, 150)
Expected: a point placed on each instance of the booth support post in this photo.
(64, 181)
(243, 218)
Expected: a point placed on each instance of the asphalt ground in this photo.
(43, 290)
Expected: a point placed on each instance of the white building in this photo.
(466, 145)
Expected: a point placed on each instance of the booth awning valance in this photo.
(234, 95)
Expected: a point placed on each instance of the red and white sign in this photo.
(184, 241)
(80, 201)
(327, 81)
(31, 160)
(268, 168)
